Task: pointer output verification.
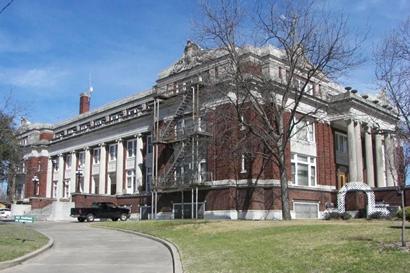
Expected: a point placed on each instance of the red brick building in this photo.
(171, 152)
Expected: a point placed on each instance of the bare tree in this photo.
(392, 59)
(312, 47)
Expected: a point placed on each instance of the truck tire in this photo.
(123, 217)
(115, 219)
(81, 219)
(90, 217)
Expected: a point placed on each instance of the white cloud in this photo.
(32, 78)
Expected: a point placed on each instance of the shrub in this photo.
(378, 215)
(334, 215)
(407, 211)
(345, 216)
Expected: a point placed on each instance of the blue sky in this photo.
(49, 48)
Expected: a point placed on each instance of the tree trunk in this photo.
(284, 188)
(403, 220)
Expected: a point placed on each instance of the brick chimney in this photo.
(85, 102)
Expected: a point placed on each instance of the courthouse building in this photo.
(161, 152)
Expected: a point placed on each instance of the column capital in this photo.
(119, 140)
(102, 145)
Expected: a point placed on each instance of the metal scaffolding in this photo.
(183, 137)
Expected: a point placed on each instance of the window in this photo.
(305, 130)
(113, 152)
(202, 171)
(245, 162)
(132, 111)
(68, 161)
(54, 189)
(55, 164)
(99, 122)
(149, 144)
(66, 188)
(131, 179)
(115, 116)
(131, 148)
(70, 131)
(84, 126)
(81, 159)
(96, 184)
(96, 156)
(341, 143)
(303, 170)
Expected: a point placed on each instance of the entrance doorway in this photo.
(342, 176)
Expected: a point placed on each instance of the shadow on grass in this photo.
(399, 227)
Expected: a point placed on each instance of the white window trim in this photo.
(134, 148)
(294, 160)
(132, 175)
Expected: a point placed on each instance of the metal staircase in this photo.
(166, 133)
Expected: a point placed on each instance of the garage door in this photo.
(305, 210)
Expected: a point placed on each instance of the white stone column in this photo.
(49, 177)
(120, 166)
(103, 156)
(87, 170)
(369, 157)
(359, 154)
(351, 139)
(381, 182)
(139, 160)
(73, 178)
(389, 159)
(60, 178)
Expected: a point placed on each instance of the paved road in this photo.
(81, 248)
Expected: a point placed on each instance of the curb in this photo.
(19, 260)
(176, 258)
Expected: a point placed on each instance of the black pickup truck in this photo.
(102, 210)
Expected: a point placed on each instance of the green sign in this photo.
(24, 219)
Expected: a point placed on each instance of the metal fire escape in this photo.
(182, 135)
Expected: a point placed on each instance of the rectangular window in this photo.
(81, 159)
(130, 179)
(341, 143)
(96, 156)
(68, 161)
(113, 152)
(303, 170)
(115, 116)
(131, 148)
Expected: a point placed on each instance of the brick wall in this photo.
(39, 203)
(36, 166)
(326, 165)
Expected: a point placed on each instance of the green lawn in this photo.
(17, 240)
(275, 246)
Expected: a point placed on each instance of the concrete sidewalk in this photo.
(81, 248)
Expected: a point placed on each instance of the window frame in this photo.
(134, 148)
(309, 163)
(96, 156)
(112, 156)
